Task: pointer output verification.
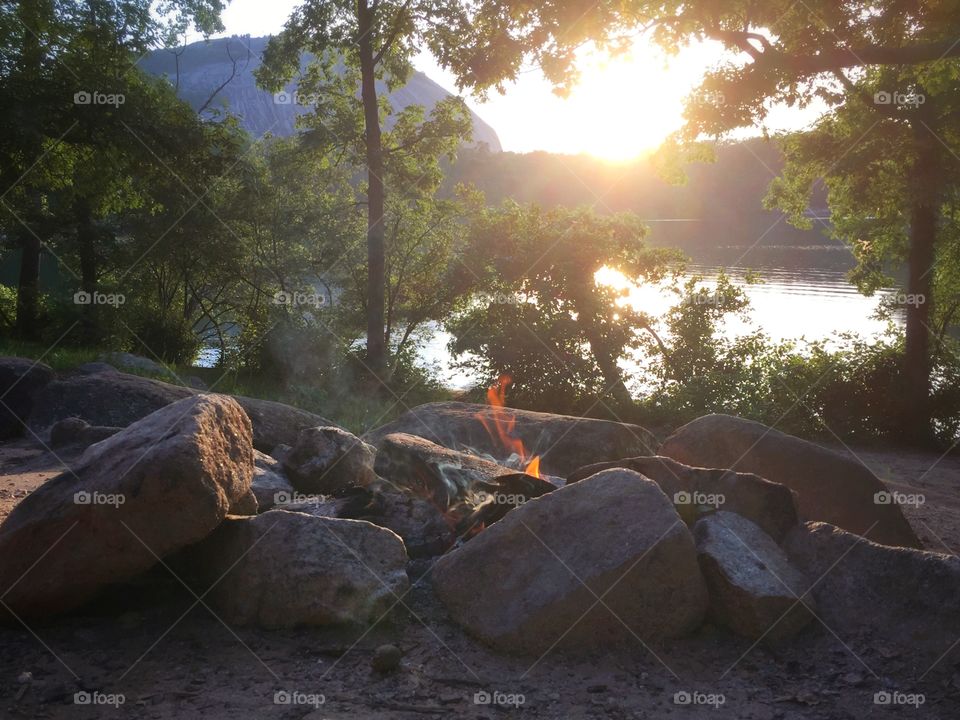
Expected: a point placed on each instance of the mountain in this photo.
(199, 69)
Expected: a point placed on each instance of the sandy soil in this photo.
(170, 657)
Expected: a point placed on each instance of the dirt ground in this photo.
(160, 650)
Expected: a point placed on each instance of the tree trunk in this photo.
(916, 419)
(87, 250)
(376, 197)
(28, 287)
(28, 282)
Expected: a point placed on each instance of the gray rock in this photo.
(564, 443)
(754, 588)
(425, 530)
(386, 658)
(432, 471)
(92, 368)
(21, 381)
(129, 361)
(901, 598)
(329, 460)
(78, 433)
(269, 481)
(697, 492)
(284, 569)
(119, 399)
(159, 485)
(530, 582)
(831, 487)
(246, 504)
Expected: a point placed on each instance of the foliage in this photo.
(542, 316)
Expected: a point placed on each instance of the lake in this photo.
(810, 298)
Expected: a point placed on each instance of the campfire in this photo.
(501, 428)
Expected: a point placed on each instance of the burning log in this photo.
(563, 443)
(497, 498)
(424, 529)
(436, 473)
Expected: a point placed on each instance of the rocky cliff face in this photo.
(201, 68)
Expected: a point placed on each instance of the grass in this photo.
(355, 409)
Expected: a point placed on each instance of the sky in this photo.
(620, 110)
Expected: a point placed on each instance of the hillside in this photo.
(200, 68)
(710, 217)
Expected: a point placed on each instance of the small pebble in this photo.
(386, 658)
(25, 677)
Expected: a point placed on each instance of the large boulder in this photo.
(431, 470)
(119, 399)
(269, 482)
(699, 491)
(754, 589)
(831, 487)
(564, 443)
(284, 569)
(275, 423)
(424, 529)
(531, 581)
(157, 486)
(902, 598)
(21, 380)
(329, 460)
(77, 433)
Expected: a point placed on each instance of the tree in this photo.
(53, 53)
(357, 44)
(778, 52)
(542, 316)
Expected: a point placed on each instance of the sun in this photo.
(626, 106)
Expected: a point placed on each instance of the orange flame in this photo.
(502, 426)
